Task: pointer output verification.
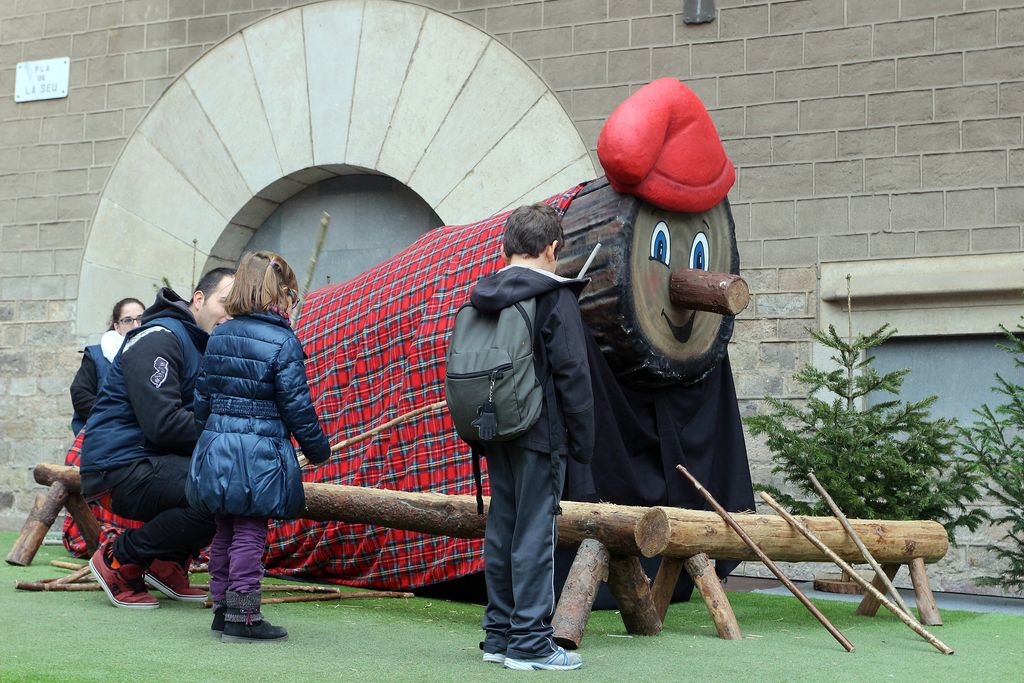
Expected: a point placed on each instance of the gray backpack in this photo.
(490, 383)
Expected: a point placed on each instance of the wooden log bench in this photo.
(610, 538)
(683, 534)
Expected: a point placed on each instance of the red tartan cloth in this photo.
(110, 524)
(376, 347)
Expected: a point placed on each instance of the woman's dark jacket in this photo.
(252, 395)
(86, 384)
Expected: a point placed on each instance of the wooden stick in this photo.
(351, 441)
(63, 564)
(768, 561)
(54, 586)
(73, 576)
(336, 595)
(916, 627)
(868, 606)
(855, 537)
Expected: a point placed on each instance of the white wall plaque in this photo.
(44, 79)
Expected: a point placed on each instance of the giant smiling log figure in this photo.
(376, 347)
(663, 388)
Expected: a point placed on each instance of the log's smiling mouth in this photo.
(680, 332)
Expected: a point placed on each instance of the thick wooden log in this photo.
(589, 569)
(632, 592)
(869, 605)
(665, 583)
(39, 521)
(927, 610)
(86, 521)
(432, 513)
(700, 290)
(710, 586)
(683, 533)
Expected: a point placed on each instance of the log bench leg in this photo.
(710, 586)
(632, 592)
(86, 521)
(665, 583)
(588, 570)
(927, 610)
(39, 521)
(869, 604)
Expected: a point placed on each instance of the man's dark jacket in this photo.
(559, 350)
(144, 407)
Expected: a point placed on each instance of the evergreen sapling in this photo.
(877, 459)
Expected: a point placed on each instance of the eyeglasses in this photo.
(128, 321)
(294, 296)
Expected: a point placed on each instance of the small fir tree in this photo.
(995, 443)
(887, 460)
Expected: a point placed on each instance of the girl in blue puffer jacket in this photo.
(251, 397)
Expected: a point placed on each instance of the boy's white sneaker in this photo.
(494, 657)
(559, 660)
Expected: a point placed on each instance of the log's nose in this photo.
(702, 290)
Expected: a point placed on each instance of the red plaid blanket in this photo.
(376, 347)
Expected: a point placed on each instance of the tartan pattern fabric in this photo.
(110, 524)
(376, 347)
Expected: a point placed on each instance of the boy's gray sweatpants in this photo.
(519, 545)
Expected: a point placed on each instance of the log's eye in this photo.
(700, 253)
(661, 243)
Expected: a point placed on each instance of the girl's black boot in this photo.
(244, 623)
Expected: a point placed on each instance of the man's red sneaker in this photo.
(171, 579)
(123, 584)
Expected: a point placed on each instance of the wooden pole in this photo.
(61, 564)
(351, 441)
(767, 561)
(39, 521)
(868, 606)
(906, 619)
(589, 569)
(632, 592)
(715, 599)
(855, 537)
(54, 586)
(74, 576)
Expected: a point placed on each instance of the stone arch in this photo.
(330, 88)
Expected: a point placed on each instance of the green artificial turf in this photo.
(81, 637)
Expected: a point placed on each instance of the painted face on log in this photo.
(651, 280)
(665, 242)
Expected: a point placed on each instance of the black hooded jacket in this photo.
(145, 406)
(559, 349)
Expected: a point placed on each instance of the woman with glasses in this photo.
(96, 359)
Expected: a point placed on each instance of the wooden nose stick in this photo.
(702, 290)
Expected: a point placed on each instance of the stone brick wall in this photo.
(861, 129)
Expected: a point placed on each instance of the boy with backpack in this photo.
(526, 444)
